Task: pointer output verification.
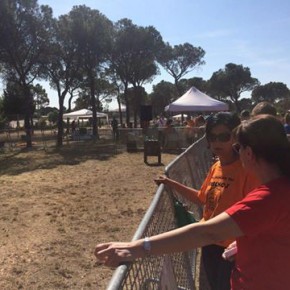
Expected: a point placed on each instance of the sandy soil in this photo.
(56, 205)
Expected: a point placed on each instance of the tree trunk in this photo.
(27, 127)
(179, 90)
(120, 109)
(28, 114)
(127, 105)
(93, 103)
(60, 123)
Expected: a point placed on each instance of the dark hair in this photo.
(245, 114)
(266, 136)
(230, 120)
(264, 108)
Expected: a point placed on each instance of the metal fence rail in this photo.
(176, 271)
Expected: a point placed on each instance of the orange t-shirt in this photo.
(224, 186)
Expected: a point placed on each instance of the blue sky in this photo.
(253, 33)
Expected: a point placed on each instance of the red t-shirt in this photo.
(263, 259)
(224, 186)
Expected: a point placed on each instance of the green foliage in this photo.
(23, 36)
(231, 81)
(199, 83)
(14, 101)
(53, 117)
(42, 123)
(163, 94)
(133, 59)
(44, 111)
(271, 92)
(40, 97)
(180, 60)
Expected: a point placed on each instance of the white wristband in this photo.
(147, 245)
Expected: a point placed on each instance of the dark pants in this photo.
(218, 270)
(115, 134)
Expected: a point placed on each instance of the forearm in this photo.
(189, 193)
(179, 240)
(191, 236)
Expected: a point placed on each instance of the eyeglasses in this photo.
(237, 147)
(222, 137)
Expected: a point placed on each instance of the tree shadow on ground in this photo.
(29, 159)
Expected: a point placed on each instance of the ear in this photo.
(249, 155)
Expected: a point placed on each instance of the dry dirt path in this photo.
(55, 206)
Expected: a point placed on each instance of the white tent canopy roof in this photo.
(179, 116)
(195, 101)
(83, 113)
(116, 109)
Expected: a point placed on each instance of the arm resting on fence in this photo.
(219, 228)
(188, 192)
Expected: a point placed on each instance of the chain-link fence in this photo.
(176, 271)
(13, 139)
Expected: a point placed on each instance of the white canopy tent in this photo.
(83, 113)
(116, 109)
(195, 101)
(179, 116)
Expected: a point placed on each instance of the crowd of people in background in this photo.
(195, 124)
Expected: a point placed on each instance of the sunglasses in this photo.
(222, 137)
(237, 147)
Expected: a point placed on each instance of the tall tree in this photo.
(62, 66)
(23, 36)
(231, 82)
(14, 101)
(271, 92)
(179, 60)
(40, 97)
(133, 59)
(93, 39)
(163, 94)
(199, 83)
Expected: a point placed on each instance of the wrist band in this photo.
(147, 245)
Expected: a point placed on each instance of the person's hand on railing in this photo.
(115, 254)
(187, 192)
(162, 179)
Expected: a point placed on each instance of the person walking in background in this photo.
(260, 222)
(199, 127)
(73, 127)
(189, 130)
(114, 125)
(161, 122)
(226, 183)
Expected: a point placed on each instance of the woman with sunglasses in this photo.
(226, 183)
(260, 222)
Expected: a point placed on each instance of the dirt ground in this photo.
(56, 205)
